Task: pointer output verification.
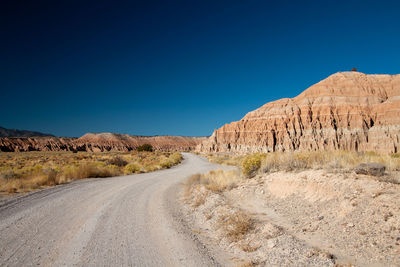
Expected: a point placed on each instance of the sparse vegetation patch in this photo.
(236, 224)
(225, 159)
(247, 212)
(26, 171)
(334, 161)
(217, 181)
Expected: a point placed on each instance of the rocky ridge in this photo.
(98, 142)
(20, 133)
(348, 111)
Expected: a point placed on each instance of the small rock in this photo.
(350, 225)
(387, 216)
(271, 243)
(320, 218)
(310, 254)
(374, 169)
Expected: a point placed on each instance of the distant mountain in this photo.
(98, 142)
(20, 133)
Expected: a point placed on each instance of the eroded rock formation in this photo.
(98, 143)
(124, 142)
(347, 110)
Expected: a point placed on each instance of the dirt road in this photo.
(122, 221)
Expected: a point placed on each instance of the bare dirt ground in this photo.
(130, 220)
(307, 218)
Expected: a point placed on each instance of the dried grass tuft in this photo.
(236, 225)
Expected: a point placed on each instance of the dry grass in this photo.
(198, 186)
(236, 225)
(330, 160)
(26, 171)
(193, 191)
(297, 161)
(216, 181)
(390, 178)
(248, 247)
(225, 159)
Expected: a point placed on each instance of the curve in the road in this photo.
(120, 221)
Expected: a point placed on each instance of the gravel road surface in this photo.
(122, 221)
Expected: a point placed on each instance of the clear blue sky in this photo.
(178, 67)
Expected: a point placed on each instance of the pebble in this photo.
(350, 225)
(271, 243)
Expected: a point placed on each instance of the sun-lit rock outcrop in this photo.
(347, 110)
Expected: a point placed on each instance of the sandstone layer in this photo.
(99, 142)
(347, 111)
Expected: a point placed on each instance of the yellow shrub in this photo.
(176, 157)
(131, 168)
(251, 164)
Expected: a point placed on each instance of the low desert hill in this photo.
(99, 142)
(20, 133)
(348, 111)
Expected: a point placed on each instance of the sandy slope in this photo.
(309, 218)
(122, 221)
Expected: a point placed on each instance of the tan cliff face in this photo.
(99, 142)
(347, 111)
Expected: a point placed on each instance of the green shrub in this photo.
(145, 147)
(251, 164)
